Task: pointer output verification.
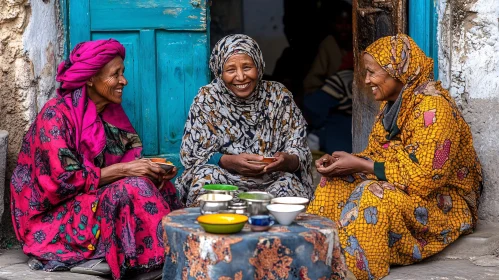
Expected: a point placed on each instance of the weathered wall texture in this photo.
(469, 67)
(4, 138)
(30, 46)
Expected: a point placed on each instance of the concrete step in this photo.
(447, 269)
(484, 241)
(471, 257)
(13, 266)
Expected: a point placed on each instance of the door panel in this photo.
(131, 92)
(166, 61)
(148, 91)
(185, 59)
(372, 19)
(155, 14)
(423, 22)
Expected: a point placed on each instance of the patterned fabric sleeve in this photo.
(296, 143)
(424, 163)
(200, 141)
(372, 147)
(47, 147)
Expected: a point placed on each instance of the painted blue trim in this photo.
(79, 22)
(63, 4)
(423, 20)
(434, 46)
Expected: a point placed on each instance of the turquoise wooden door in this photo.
(166, 61)
(423, 21)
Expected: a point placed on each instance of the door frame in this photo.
(72, 38)
(423, 22)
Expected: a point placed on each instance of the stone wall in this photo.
(31, 44)
(4, 138)
(468, 37)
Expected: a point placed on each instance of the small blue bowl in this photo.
(266, 222)
(261, 220)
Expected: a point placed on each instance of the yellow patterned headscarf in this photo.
(401, 57)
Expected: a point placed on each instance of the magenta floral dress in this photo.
(61, 215)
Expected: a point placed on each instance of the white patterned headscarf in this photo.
(229, 46)
(249, 108)
(235, 44)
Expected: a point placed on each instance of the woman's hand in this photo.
(152, 170)
(170, 174)
(137, 168)
(143, 168)
(324, 161)
(239, 164)
(342, 164)
(284, 162)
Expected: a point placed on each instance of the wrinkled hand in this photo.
(147, 168)
(239, 164)
(324, 161)
(342, 164)
(284, 162)
(170, 174)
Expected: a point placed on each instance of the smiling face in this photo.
(384, 87)
(240, 75)
(107, 85)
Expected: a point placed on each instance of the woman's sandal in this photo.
(98, 267)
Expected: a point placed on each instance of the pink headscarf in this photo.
(85, 60)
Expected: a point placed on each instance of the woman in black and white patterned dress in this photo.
(239, 118)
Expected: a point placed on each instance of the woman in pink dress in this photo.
(81, 192)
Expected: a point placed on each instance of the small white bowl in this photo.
(285, 214)
(290, 200)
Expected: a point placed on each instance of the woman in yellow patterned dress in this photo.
(415, 188)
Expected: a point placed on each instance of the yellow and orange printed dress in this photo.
(425, 189)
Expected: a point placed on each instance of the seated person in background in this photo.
(335, 51)
(239, 118)
(329, 112)
(415, 188)
(80, 193)
(327, 104)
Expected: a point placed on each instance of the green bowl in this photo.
(220, 187)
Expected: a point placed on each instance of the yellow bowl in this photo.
(222, 223)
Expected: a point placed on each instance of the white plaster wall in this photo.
(468, 34)
(470, 51)
(263, 22)
(40, 41)
(31, 41)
